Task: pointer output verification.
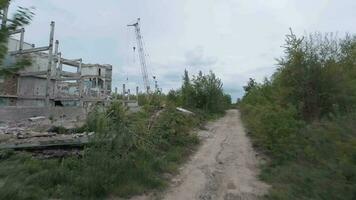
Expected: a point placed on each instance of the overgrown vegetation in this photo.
(125, 158)
(130, 151)
(203, 92)
(129, 154)
(303, 118)
(22, 17)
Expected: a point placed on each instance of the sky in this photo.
(236, 39)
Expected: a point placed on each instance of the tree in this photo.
(209, 94)
(22, 17)
(203, 92)
(173, 97)
(187, 92)
(316, 75)
(250, 85)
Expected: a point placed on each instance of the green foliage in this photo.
(250, 85)
(125, 158)
(173, 97)
(151, 102)
(22, 17)
(316, 75)
(203, 92)
(325, 165)
(128, 154)
(303, 119)
(187, 92)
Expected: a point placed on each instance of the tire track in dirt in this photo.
(224, 167)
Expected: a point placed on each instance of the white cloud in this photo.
(237, 39)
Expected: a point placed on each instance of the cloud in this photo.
(196, 58)
(237, 39)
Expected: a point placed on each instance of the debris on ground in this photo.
(34, 140)
(46, 138)
(32, 119)
(184, 111)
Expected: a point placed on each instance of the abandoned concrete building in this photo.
(51, 80)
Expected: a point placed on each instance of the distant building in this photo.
(69, 82)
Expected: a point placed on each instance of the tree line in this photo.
(303, 118)
(202, 92)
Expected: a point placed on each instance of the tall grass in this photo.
(124, 159)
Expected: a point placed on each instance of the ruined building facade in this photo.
(51, 80)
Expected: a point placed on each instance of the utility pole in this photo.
(141, 54)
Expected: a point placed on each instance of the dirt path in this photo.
(224, 167)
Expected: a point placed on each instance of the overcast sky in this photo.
(237, 39)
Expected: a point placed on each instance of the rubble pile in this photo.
(39, 133)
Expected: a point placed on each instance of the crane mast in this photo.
(141, 53)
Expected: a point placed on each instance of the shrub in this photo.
(125, 158)
(303, 118)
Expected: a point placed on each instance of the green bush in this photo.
(202, 92)
(125, 158)
(303, 119)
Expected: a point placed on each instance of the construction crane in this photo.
(141, 53)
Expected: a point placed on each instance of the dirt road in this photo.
(224, 167)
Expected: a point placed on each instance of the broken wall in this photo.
(34, 87)
(8, 85)
(23, 113)
(39, 62)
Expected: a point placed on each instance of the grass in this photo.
(310, 161)
(131, 162)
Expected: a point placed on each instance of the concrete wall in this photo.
(91, 71)
(39, 62)
(31, 102)
(23, 113)
(34, 87)
(4, 101)
(8, 85)
(31, 87)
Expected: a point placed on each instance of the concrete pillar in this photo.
(104, 86)
(56, 44)
(60, 63)
(81, 85)
(49, 66)
(58, 69)
(123, 91)
(54, 67)
(22, 36)
(97, 85)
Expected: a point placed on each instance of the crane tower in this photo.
(141, 53)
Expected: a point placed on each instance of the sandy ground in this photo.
(224, 167)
